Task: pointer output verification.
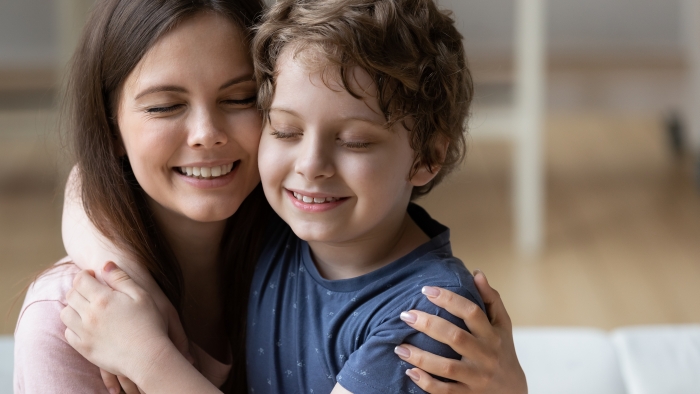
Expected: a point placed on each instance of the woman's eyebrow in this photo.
(161, 88)
(180, 89)
(237, 80)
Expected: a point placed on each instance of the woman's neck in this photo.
(196, 247)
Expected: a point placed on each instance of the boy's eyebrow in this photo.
(180, 89)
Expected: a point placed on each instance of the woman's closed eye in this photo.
(241, 103)
(164, 109)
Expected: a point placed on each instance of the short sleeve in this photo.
(44, 362)
(374, 368)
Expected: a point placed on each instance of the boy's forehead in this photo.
(322, 70)
(323, 75)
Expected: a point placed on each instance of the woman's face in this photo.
(188, 121)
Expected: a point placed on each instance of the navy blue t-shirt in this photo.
(306, 333)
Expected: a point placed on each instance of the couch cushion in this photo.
(659, 359)
(568, 360)
(6, 360)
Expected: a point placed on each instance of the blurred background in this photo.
(579, 197)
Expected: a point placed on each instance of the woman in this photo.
(157, 86)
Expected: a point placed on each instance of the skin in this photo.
(326, 143)
(203, 123)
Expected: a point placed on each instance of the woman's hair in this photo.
(117, 35)
(410, 48)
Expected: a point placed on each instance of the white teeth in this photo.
(207, 172)
(315, 200)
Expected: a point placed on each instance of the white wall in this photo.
(28, 34)
(576, 27)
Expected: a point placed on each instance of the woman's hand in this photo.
(120, 330)
(489, 363)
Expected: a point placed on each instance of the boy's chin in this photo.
(315, 232)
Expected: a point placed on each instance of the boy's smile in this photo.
(329, 166)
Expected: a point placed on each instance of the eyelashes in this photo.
(281, 135)
(242, 103)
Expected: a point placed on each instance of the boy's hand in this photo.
(119, 330)
(489, 363)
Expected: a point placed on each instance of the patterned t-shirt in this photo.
(306, 333)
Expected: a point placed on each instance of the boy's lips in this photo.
(314, 202)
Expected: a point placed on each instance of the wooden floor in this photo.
(623, 221)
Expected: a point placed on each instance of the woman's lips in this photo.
(206, 180)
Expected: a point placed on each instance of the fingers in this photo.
(111, 382)
(441, 330)
(492, 299)
(127, 385)
(71, 319)
(77, 301)
(72, 338)
(434, 386)
(475, 319)
(88, 287)
(441, 366)
(119, 280)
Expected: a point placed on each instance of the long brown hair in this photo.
(116, 37)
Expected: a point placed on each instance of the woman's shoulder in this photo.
(44, 361)
(52, 284)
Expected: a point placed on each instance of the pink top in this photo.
(46, 363)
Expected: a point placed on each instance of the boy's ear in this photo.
(422, 174)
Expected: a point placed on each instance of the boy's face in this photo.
(328, 166)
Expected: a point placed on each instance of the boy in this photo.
(364, 103)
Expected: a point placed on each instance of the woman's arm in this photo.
(119, 330)
(90, 250)
(489, 363)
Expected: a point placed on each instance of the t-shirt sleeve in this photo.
(44, 362)
(374, 368)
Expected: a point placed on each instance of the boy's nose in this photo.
(315, 160)
(206, 131)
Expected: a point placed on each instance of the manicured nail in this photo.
(430, 291)
(109, 266)
(413, 375)
(402, 352)
(478, 271)
(409, 317)
(114, 390)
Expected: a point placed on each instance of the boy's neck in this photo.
(351, 259)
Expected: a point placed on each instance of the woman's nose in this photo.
(206, 131)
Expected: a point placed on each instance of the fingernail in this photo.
(402, 352)
(413, 375)
(478, 271)
(109, 266)
(430, 291)
(409, 317)
(114, 390)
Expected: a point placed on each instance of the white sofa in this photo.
(630, 360)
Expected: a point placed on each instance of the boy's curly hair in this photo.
(412, 51)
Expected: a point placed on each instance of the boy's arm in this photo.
(119, 330)
(374, 368)
(90, 250)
